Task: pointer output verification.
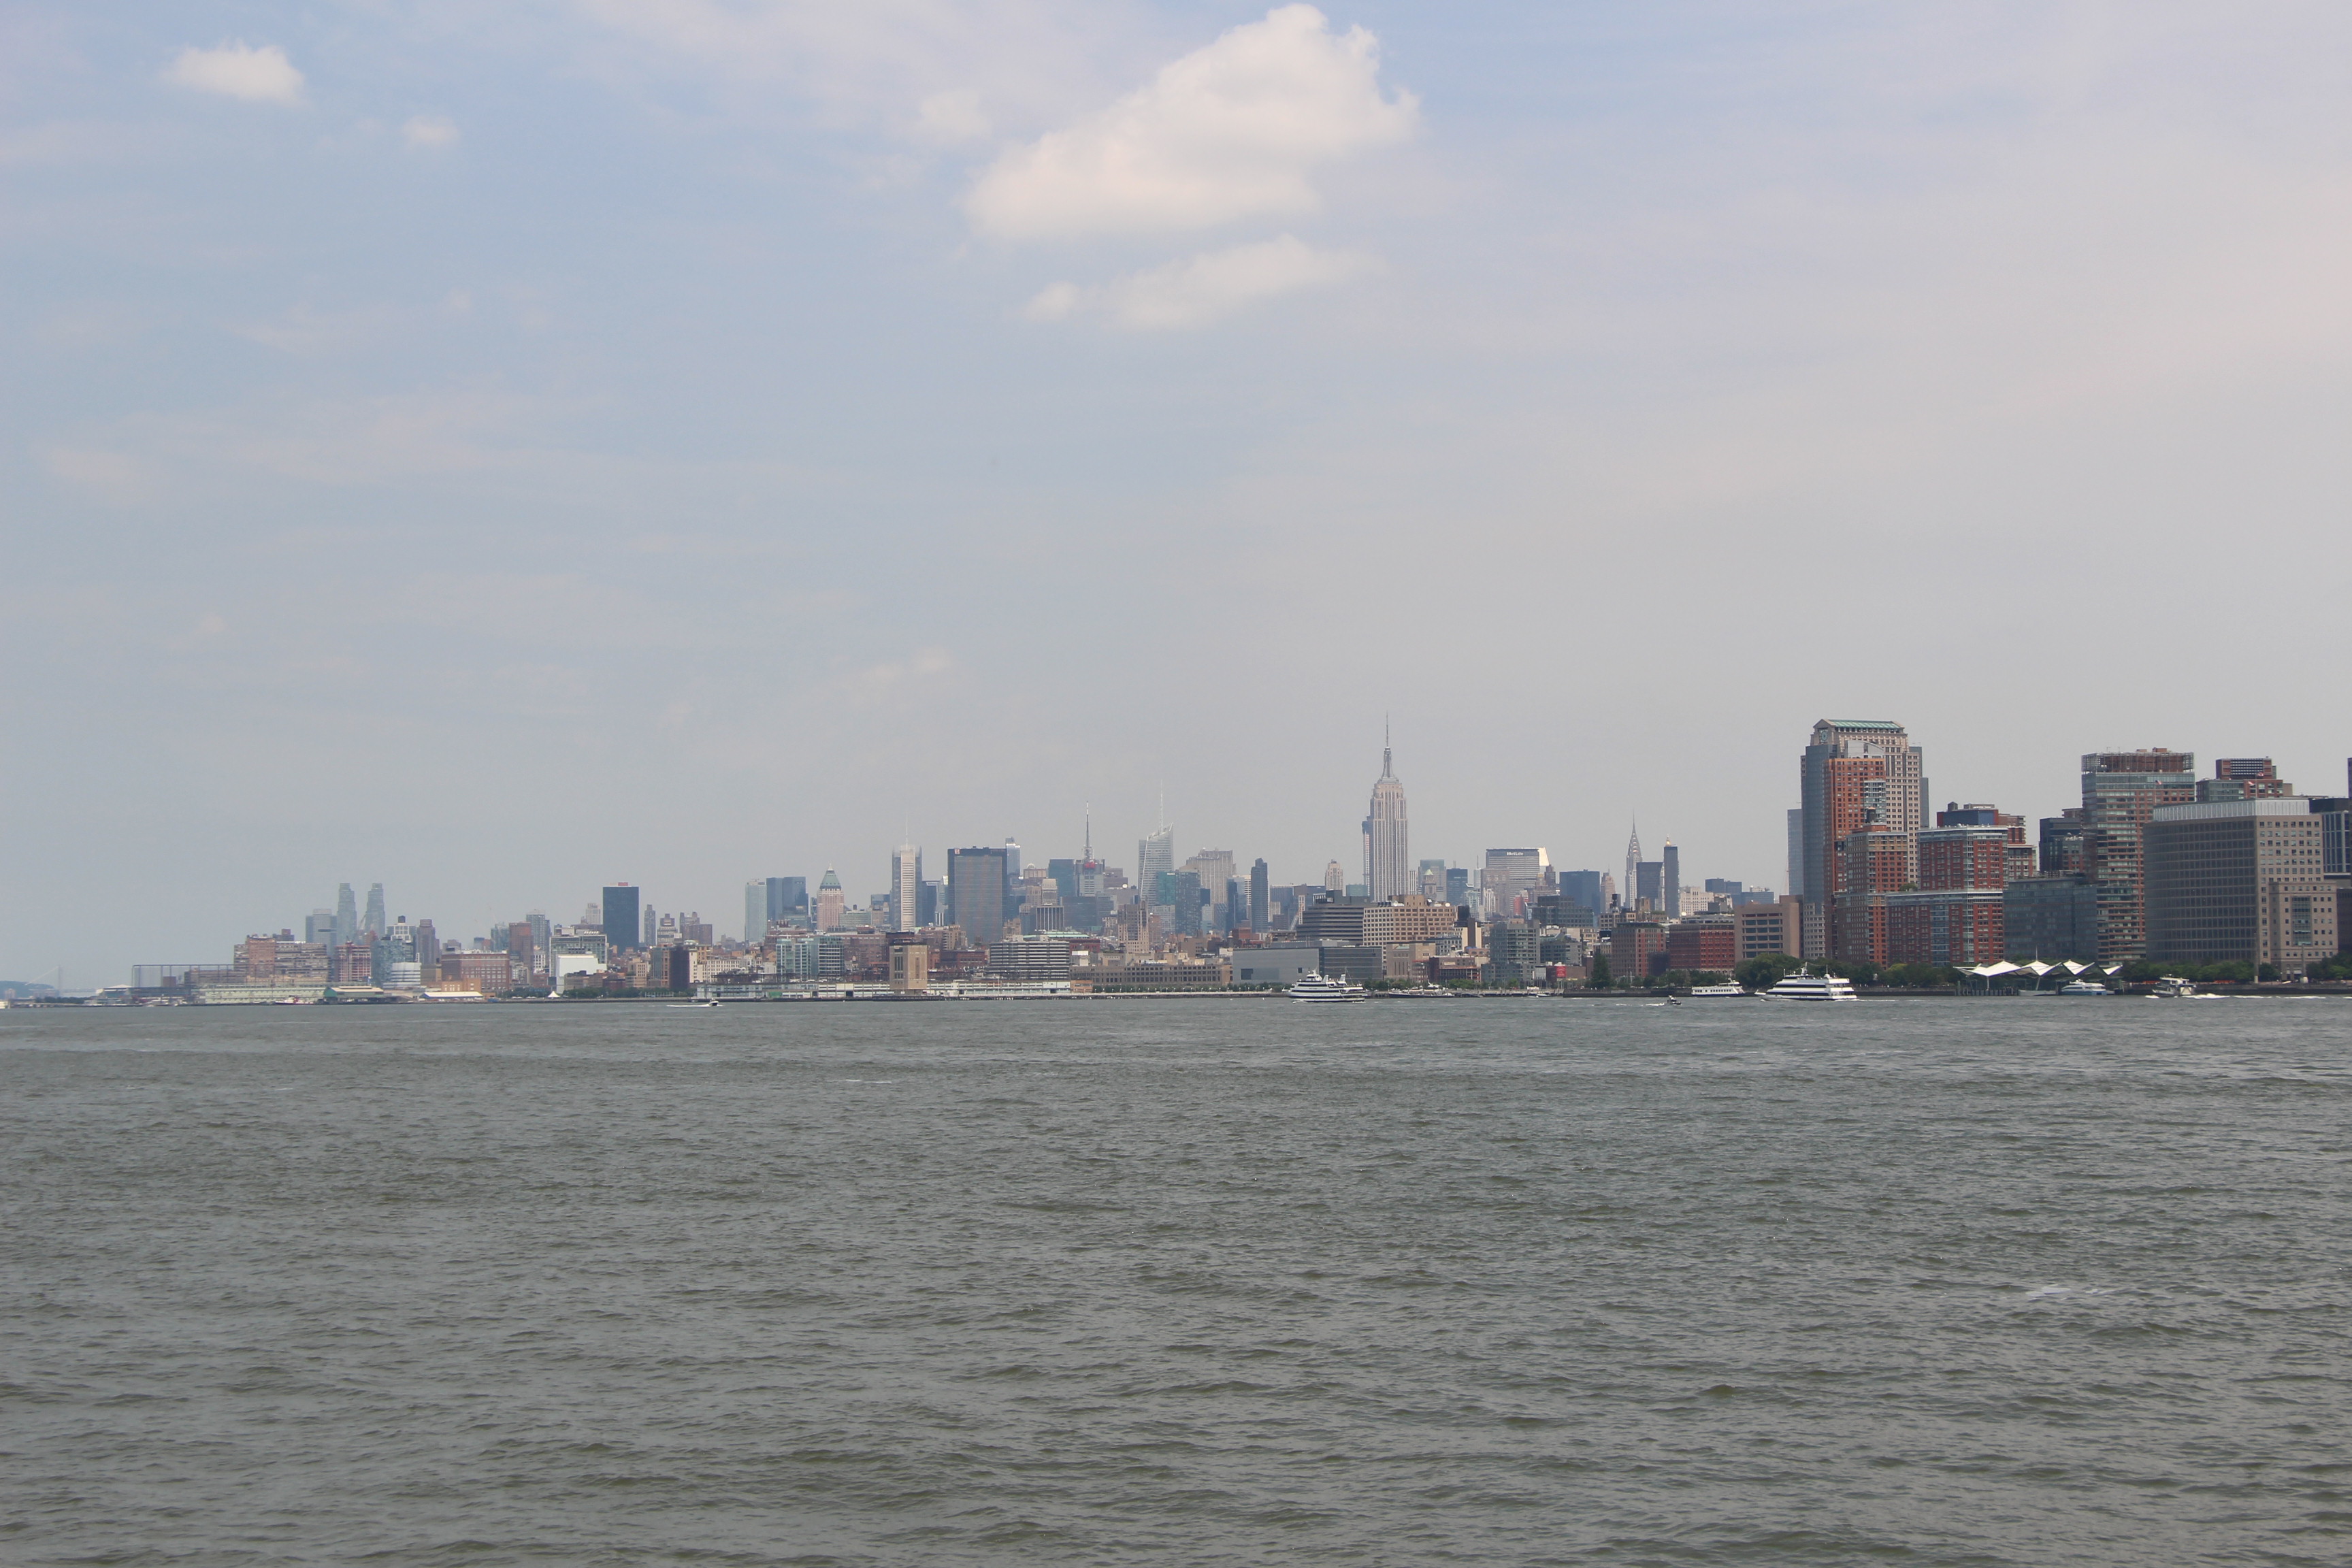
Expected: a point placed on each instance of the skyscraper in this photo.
(2121, 791)
(1155, 853)
(905, 888)
(347, 916)
(831, 904)
(1632, 865)
(621, 917)
(977, 888)
(1387, 868)
(1259, 907)
(1854, 772)
(375, 924)
(1671, 874)
(755, 911)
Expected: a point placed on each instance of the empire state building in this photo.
(1388, 866)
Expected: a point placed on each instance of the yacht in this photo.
(1719, 991)
(2083, 988)
(1807, 986)
(1322, 988)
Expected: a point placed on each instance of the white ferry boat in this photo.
(1321, 988)
(1719, 991)
(2083, 988)
(1807, 986)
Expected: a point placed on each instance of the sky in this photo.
(499, 449)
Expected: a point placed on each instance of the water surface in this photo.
(1179, 1282)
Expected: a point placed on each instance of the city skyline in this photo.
(446, 444)
(1893, 797)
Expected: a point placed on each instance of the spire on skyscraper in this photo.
(1388, 873)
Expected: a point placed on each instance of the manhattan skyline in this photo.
(493, 456)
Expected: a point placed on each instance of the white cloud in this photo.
(430, 131)
(951, 117)
(1230, 131)
(239, 70)
(1200, 289)
(916, 68)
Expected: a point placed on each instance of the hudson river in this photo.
(1986, 1282)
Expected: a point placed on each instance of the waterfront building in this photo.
(487, 973)
(1854, 772)
(2121, 792)
(1359, 923)
(1709, 943)
(2239, 879)
(620, 918)
(2051, 919)
(910, 964)
(1875, 863)
(1955, 913)
(1514, 953)
(1030, 959)
(1637, 949)
(1386, 869)
(1276, 966)
(1776, 927)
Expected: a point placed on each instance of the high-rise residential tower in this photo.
(2121, 791)
(1387, 866)
(347, 915)
(374, 924)
(1854, 772)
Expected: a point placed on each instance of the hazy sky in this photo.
(499, 449)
